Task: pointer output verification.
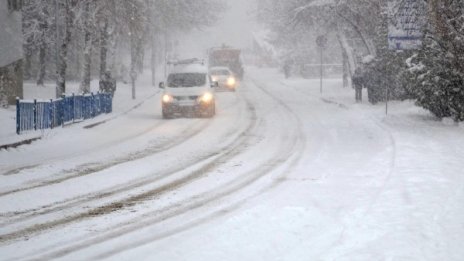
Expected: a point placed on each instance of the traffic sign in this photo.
(406, 23)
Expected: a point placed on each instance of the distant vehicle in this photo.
(188, 90)
(227, 57)
(224, 77)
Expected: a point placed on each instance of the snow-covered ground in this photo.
(122, 102)
(281, 173)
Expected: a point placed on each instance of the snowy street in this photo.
(282, 172)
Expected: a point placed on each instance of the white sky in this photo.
(234, 29)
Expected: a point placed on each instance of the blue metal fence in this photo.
(36, 115)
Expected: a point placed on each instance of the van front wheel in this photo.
(166, 115)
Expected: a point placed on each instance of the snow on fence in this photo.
(36, 115)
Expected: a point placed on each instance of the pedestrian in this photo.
(358, 83)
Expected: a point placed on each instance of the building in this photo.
(11, 51)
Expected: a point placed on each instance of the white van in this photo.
(225, 78)
(188, 90)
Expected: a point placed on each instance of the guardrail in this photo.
(37, 114)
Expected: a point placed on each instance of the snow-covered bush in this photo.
(439, 67)
(387, 71)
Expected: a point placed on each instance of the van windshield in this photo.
(220, 72)
(186, 79)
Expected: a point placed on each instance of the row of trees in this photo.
(64, 39)
(433, 75)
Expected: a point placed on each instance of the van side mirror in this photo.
(215, 84)
(161, 85)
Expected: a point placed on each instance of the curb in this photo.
(329, 101)
(19, 143)
(95, 124)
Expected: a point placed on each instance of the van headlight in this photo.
(206, 98)
(167, 98)
(231, 81)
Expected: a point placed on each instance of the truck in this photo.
(228, 57)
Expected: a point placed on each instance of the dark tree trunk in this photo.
(346, 69)
(112, 59)
(85, 85)
(153, 59)
(133, 72)
(42, 62)
(134, 42)
(103, 47)
(63, 50)
(27, 64)
(151, 29)
(140, 54)
(43, 25)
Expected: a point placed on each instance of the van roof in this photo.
(190, 68)
(216, 68)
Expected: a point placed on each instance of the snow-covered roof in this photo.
(217, 68)
(190, 68)
(11, 43)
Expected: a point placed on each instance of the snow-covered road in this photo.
(280, 173)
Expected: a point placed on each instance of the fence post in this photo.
(97, 104)
(50, 112)
(110, 103)
(105, 102)
(18, 116)
(73, 107)
(92, 105)
(63, 108)
(35, 114)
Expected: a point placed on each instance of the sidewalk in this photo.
(122, 102)
(334, 94)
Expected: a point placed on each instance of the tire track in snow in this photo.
(90, 168)
(73, 202)
(391, 167)
(217, 159)
(287, 150)
(18, 170)
(105, 146)
(391, 138)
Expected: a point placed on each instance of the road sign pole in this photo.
(321, 41)
(386, 83)
(322, 74)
